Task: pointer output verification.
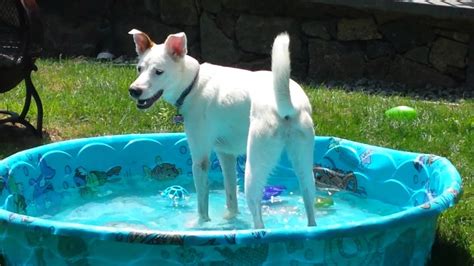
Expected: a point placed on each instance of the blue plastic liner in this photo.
(41, 180)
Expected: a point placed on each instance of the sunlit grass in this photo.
(83, 99)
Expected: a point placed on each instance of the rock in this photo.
(330, 60)
(457, 36)
(194, 43)
(128, 9)
(316, 29)
(446, 52)
(357, 29)
(226, 22)
(470, 68)
(157, 32)
(212, 6)
(256, 34)
(181, 12)
(383, 17)
(120, 60)
(78, 9)
(105, 56)
(456, 73)
(152, 6)
(417, 75)
(71, 39)
(305, 9)
(261, 7)
(331, 10)
(376, 49)
(255, 65)
(239, 5)
(378, 68)
(418, 54)
(407, 34)
(450, 25)
(215, 46)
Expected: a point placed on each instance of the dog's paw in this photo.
(229, 215)
(204, 220)
(197, 222)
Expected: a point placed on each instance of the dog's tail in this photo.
(281, 75)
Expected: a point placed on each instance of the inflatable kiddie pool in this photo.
(129, 200)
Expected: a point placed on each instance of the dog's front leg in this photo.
(228, 162)
(200, 170)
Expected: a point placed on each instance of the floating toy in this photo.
(401, 113)
(272, 191)
(323, 202)
(176, 194)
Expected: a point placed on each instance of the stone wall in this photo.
(328, 42)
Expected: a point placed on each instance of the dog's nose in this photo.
(135, 92)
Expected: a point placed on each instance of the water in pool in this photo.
(154, 211)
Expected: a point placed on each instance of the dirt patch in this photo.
(15, 138)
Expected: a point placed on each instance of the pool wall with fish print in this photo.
(41, 181)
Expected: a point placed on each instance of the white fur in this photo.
(234, 111)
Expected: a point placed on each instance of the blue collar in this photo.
(185, 93)
(178, 118)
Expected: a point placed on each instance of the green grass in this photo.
(83, 99)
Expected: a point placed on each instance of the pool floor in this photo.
(154, 211)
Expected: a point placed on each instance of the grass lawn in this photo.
(83, 99)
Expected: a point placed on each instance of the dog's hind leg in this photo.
(263, 153)
(300, 152)
(228, 162)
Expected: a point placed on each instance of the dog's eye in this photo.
(158, 72)
(139, 69)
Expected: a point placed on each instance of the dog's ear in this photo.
(142, 41)
(176, 45)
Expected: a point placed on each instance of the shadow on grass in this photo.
(382, 88)
(17, 138)
(449, 253)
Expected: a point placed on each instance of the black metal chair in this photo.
(21, 39)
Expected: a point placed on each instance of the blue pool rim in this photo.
(221, 237)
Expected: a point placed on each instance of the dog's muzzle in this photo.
(136, 92)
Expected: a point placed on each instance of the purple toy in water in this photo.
(272, 191)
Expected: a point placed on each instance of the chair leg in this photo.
(14, 117)
(26, 105)
(31, 91)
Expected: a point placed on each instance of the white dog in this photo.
(231, 111)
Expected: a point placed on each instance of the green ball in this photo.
(401, 113)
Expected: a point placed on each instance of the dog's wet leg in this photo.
(228, 164)
(300, 152)
(263, 153)
(200, 170)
